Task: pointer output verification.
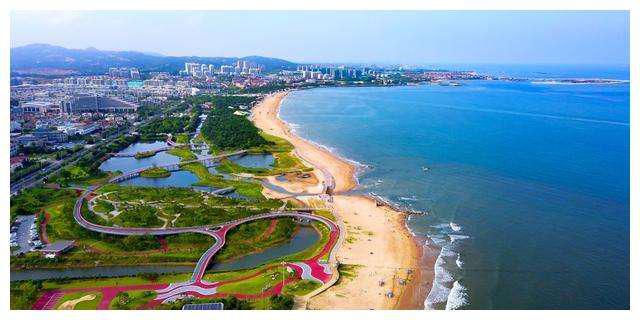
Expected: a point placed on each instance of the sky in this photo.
(404, 37)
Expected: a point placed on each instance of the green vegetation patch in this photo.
(250, 237)
(184, 153)
(103, 206)
(144, 154)
(31, 201)
(23, 294)
(257, 284)
(138, 216)
(155, 172)
(347, 271)
(131, 300)
(206, 178)
(182, 138)
(228, 131)
(301, 288)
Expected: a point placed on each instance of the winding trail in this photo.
(310, 269)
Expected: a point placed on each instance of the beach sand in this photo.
(378, 249)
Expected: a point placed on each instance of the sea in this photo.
(525, 185)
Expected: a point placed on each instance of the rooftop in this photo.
(204, 306)
(58, 246)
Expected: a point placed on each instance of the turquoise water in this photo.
(526, 185)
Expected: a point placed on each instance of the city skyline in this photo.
(505, 37)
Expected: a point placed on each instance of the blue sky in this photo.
(410, 37)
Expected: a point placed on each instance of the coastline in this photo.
(386, 257)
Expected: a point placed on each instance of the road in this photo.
(37, 177)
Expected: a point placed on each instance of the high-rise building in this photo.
(135, 74)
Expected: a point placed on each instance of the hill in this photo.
(34, 57)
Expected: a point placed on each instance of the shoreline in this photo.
(404, 270)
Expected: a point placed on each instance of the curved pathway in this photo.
(311, 269)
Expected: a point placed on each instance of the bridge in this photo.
(133, 154)
(170, 145)
(207, 161)
(310, 269)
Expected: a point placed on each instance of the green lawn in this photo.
(184, 153)
(131, 300)
(256, 284)
(182, 138)
(300, 288)
(115, 281)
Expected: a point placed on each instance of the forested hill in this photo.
(93, 61)
(229, 131)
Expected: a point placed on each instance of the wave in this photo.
(412, 198)
(455, 237)
(441, 281)
(459, 262)
(455, 227)
(458, 297)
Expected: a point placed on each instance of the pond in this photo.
(304, 238)
(125, 164)
(265, 160)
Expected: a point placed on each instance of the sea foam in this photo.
(458, 297)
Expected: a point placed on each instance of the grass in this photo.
(131, 300)
(229, 166)
(84, 305)
(347, 271)
(301, 288)
(114, 281)
(182, 138)
(206, 178)
(103, 206)
(184, 153)
(256, 285)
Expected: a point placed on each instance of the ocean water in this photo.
(526, 185)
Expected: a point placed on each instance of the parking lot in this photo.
(25, 235)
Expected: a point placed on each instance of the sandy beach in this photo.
(386, 264)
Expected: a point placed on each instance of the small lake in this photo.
(178, 179)
(125, 164)
(254, 160)
(144, 146)
(304, 238)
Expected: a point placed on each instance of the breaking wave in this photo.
(458, 297)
